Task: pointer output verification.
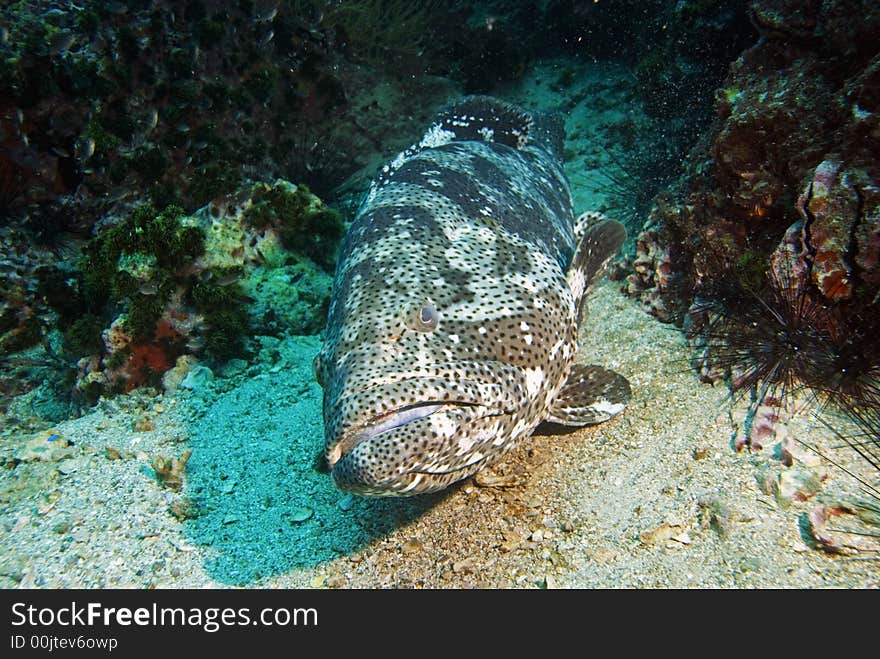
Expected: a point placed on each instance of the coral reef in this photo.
(300, 219)
(840, 208)
(767, 249)
(794, 141)
(156, 290)
(178, 285)
(106, 103)
(649, 272)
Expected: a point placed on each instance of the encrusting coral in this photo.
(159, 285)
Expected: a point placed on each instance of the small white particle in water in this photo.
(453, 338)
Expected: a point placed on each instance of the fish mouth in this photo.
(388, 421)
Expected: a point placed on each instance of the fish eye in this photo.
(426, 318)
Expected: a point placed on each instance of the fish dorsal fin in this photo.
(483, 119)
(488, 119)
(600, 239)
(591, 394)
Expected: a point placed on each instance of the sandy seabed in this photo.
(657, 497)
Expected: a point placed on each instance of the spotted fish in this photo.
(458, 294)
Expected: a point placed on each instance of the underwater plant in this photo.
(145, 276)
(303, 222)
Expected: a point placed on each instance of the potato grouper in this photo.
(458, 294)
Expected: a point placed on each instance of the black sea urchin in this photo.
(773, 339)
(781, 336)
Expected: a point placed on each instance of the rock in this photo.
(300, 515)
(197, 378)
(512, 540)
(48, 446)
(661, 534)
(798, 484)
(412, 546)
(290, 297)
(830, 206)
(465, 566)
(170, 472)
(491, 478)
(714, 514)
(682, 538)
(143, 424)
(766, 423)
(602, 555)
(771, 119)
(650, 277)
(184, 508)
(346, 502)
(174, 376)
(336, 581)
(233, 367)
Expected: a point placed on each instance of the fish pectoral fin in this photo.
(591, 394)
(599, 240)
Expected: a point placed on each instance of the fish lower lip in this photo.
(384, 423)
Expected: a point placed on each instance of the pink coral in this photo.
(840, 207)
(829, 206)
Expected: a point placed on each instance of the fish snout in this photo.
(408, 435)
(411, 450)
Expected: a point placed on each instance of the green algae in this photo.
(137, 263)
(303, 222)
